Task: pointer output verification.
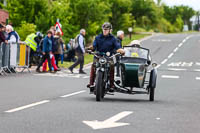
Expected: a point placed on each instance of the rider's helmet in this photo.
(39, 34)
(135, 43)
(107, 25)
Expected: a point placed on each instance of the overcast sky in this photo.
(195, 4)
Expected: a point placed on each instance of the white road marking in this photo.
(175, 49)
(72, 94)
(197, 63)
(163, 62)
(186, 64)
(197, 78)
(180, 45)
(109, 123)
(170, 55)
(62, 74)
(157, 66)
(27, 106)
(170, 76)
(177, 69)
(197, 70)
(85, 77)
(160, 40)
(157, 118)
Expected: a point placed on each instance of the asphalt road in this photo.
(61, 103)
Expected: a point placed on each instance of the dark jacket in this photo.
(119, 41)
(47, 44)
(58, 42)
(2, 37)
(105, 43)
(53, 44)
(14, 34)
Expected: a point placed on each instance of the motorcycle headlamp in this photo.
(107, 53)
(102, 61)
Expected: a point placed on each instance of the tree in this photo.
(121, 17)
(145, 11)
(89, 14)
(25, 10)
(25, 29)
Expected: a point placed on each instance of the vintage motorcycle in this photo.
(136, 72)
(102, 80)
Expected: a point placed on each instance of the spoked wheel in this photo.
(99, 86)
(152, 84)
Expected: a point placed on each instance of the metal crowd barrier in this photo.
(6, 58)
(1, 54)
(12, 56)
(23, 56)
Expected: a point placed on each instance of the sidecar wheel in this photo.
(152, 84)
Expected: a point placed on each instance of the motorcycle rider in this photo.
(104, 42)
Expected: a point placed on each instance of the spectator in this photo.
(80, 51)
(12, 39)
(120, 37)
(70, 51)
(47, 51)
(58, 47)
(33, 40)
(2, 36)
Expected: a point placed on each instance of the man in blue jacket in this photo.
(105, 42)
(46, 51)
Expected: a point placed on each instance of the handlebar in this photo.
(97, 54)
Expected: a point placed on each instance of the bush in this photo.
(165, 26)
(25, 30)
(138, 30)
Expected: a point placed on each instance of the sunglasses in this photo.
(106, 29)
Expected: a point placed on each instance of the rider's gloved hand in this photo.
(90, 48)
(121, 51)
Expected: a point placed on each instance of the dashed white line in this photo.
(72, 94)
(163, 62)
(170, 76)
(197, 70)
(157, 66)
(27, 106)
(170, 55)
(158, 118)
(180, 44)
(177, 69)
(197, 78)
(175, 49)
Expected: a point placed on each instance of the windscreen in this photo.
(137, 52)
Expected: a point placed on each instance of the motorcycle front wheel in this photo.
(99, 86)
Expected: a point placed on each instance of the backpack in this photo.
(75, 42)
